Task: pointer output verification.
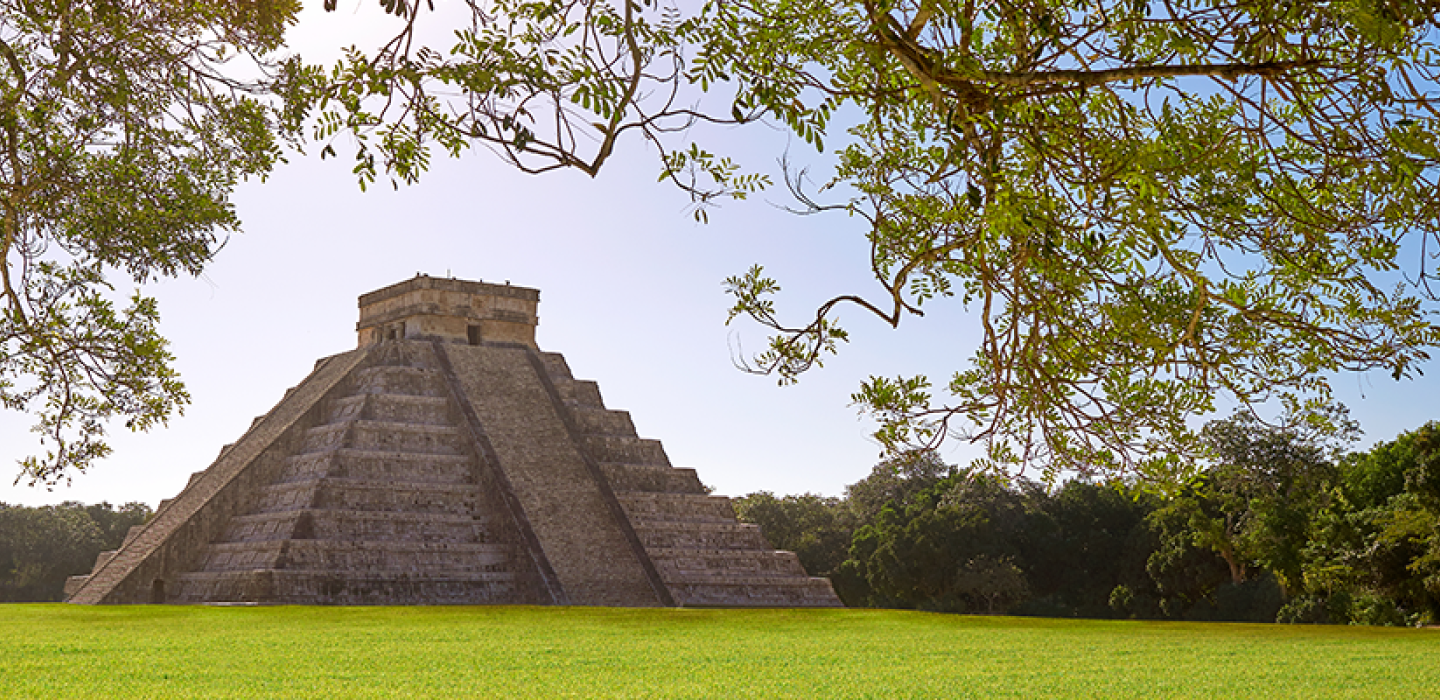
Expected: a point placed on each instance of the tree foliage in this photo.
(1280, 527)
(1254, 505)
(124, 127)
(897, 482)
(816, 528)
(1373, 551)
(545, 85)
(1149, 207)
(956, 548)
(41, 547)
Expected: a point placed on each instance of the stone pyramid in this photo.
(447, 460)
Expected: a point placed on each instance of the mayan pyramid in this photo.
(447, 460)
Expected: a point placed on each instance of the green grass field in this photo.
(418, 652)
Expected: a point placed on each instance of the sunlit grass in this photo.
(411, 652)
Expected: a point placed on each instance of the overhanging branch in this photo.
(1084, 78)
(900, 42)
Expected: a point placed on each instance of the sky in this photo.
(631, 292)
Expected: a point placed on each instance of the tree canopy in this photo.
(124, 127)
(1152, 208)
(1282, 526)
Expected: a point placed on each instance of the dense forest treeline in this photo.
(1281, 527)
(42, 546)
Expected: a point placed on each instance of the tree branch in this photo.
(916, 59)
(1089, 78)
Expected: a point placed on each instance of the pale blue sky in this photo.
(630, 292)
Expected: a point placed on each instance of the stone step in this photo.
(73, 584)
(400, 379)
(741, 578)
(699, 535)
(364, 557)
(651, 478)
(626, 449)
(328, 588)
(384, 436)
(356, 525)
(556, 366)
(375, 495)
(378, 465)
(676, 506)
(786, 592)
(652, 520)
(602, 421)
(132, 533)
(697, 564)
(392, 408)
(575, 392)
(102, 559)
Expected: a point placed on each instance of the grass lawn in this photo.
(413, 652)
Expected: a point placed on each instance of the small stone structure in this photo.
(447, 460)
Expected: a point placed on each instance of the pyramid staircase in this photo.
(382, 503)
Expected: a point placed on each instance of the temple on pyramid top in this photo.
(450, 310)
(447, 459)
